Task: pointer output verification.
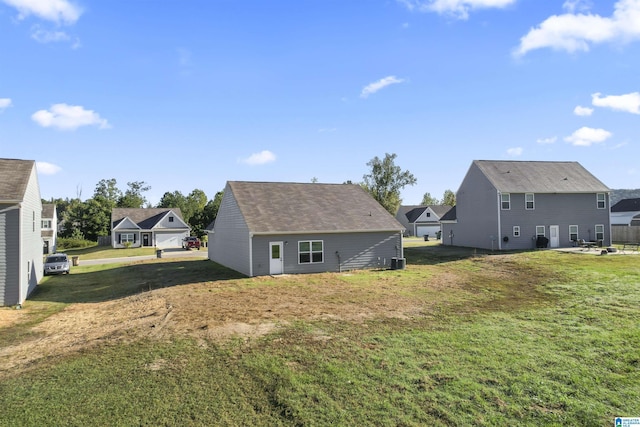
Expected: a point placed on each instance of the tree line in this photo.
(91, 218)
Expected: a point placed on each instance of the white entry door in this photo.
(554, 236)
(275, 258)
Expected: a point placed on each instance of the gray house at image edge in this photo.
(508, 204)
(20, 238)
(267, 228)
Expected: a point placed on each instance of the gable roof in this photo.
(278, 207)
(145, 218)
(626, 205)
(451, 215)
(14, 178)
(413, 212)
(540, 177)
(48, 210)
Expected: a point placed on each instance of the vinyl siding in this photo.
(31, 263)
(9, 254)
(476, 212)
(230, 242)
(562, 210)
(356, 251)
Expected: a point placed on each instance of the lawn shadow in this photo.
(109, 282)
(438, 254)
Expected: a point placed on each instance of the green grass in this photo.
(557, 347)
(103, 252)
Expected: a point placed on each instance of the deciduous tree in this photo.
(386, 180)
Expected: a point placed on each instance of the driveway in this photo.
(166, 253)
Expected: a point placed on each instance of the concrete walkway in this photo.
(166, 253)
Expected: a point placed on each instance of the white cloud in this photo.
(515, 152)
(59, 11)
(457, 8)
(4, 103)
(582, 111)
(629, 103)
(47, 168)
(550, 140)
(572, 6)
(46, 36)
(576, 32)
(585, 136)
(380, 84)
(260, 158)
(68, 117)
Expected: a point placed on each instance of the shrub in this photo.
(73, 243)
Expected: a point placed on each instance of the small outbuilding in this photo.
(265, 228)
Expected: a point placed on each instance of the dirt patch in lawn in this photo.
(217, 310)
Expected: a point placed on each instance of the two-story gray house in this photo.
(20, 238)
(270, 228)
(504, 205)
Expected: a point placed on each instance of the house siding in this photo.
(562, 210)
(230, 243)
(9, 254)
(356, 251)
(31, 263)
(477, 204)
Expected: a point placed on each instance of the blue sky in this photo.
(189, 94)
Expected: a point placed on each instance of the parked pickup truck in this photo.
(190, 243)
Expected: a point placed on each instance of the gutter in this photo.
(499, 206)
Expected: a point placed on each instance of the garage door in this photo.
(169, 240)
(431, 230)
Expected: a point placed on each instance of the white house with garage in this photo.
(161, 228)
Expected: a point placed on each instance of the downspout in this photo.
(250, 254)
(498, 235)
(20, 256)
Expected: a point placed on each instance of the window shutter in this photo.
(119, 238)
(134, 238)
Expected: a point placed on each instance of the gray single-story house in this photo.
(527, 204)
(265, 228)
(158, 227)
(20, 236)
(421, 220)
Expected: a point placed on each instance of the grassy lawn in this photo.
(103, 252)
(526, 339)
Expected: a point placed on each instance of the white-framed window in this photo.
(505, 201)
(573, 233)
(599, 232)
(310, 251)
(127, 237)
(601, 200)
(46, 224)
(540, 230)
(516, 231)
(529, 203)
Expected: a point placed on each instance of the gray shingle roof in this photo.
(626, 205)
(47, 210)
(146, 218)
(540, 177)
(14, 177)
(275, 207)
